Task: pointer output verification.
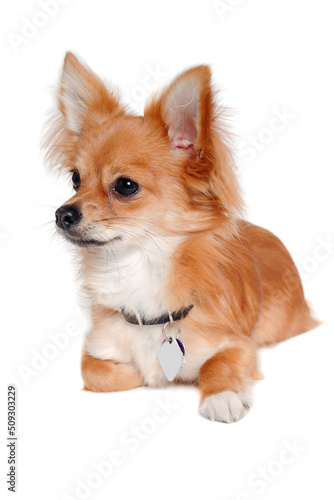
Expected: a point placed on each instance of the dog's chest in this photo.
(126, 343)
(133, 281)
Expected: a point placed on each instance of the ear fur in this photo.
(188, 113)
(82, 98)
(80, 92)
(186, 108)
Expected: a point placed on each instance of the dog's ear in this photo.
(186, 109)
(82, 93)
(82, 99)
(187, 114)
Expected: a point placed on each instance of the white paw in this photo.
(227, 406)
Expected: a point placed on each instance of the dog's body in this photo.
(157, 215)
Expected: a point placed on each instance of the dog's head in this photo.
(168, 172)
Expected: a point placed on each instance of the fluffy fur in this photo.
(179, 240)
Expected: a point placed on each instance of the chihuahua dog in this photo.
(170, 267)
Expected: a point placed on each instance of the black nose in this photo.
(67, 216)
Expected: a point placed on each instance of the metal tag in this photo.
(171, 356)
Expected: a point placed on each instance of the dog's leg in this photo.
(104, 375)
(225, 382)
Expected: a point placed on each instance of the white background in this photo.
(267, 56)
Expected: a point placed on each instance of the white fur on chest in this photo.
(131, 279)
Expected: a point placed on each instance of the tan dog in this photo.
(157, 219)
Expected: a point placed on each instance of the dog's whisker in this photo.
(43, 226)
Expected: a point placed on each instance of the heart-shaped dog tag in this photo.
(171, 356)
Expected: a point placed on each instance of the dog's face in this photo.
(166, 173)
(120, 183)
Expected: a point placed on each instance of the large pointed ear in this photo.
(82, 98)
(186, 109)
(81, 92)
(188, 114)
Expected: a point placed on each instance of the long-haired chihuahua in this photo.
(181, 288)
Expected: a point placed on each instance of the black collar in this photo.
(181, 314)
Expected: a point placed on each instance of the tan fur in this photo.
(241, 279)
(107, 376)
(231, 370)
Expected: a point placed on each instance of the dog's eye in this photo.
(126, 187)
(76, 180)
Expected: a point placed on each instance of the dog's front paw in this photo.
(227, 406)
